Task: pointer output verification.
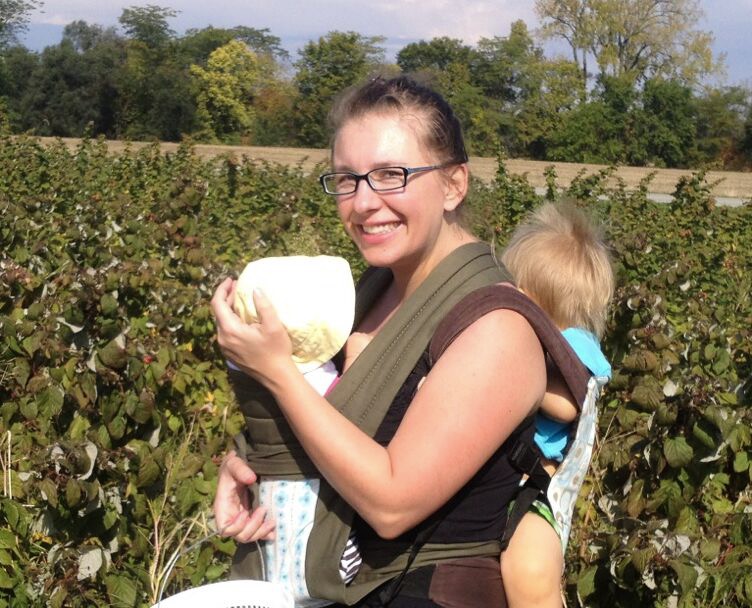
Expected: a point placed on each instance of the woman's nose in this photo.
(364, 198)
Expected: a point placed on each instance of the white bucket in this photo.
(231, 594)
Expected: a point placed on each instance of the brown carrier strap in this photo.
(525, 455)
(505, 295)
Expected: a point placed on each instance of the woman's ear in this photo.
(457, 181)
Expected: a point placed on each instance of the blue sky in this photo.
(400, 21)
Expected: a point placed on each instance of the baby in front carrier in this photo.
(314, 297)
(559, 260)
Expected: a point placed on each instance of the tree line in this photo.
(632, 91)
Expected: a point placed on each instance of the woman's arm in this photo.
(489, 379)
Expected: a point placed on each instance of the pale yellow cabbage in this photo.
(314, 298)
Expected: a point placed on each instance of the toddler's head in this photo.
(558, 257)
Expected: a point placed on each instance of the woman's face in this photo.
(398, 229)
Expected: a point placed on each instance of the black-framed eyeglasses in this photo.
(381, 179)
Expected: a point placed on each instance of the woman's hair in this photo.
(441, 132)
(560, 260)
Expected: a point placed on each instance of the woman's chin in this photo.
(379, 249)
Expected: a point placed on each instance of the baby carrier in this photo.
(460, 290)
(560, 491)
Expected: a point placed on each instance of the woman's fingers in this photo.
(238, 469)
(232, 503)
(265, 310)
(221, 293)
(255, 527)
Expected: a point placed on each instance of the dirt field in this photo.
(730, 184)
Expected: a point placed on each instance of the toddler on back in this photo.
(560, 261)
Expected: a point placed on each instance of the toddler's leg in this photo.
(531, 566)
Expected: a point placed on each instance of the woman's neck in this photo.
(409, 276)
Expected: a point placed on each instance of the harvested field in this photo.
(729, 184)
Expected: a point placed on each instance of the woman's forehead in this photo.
(381, 136)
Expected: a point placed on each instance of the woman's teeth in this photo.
(381, 228)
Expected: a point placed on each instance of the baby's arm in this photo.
(558, 402)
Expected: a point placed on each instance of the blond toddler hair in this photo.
(558, 257)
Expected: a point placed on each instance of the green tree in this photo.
(86, 36)
(148, 24)
(72, 91)
(505, 67)
(14, 16)
(601, 130)
(197, 44)
(721, 113)
(637, 39)
(553, 94)
(665, 125)
(16, 64)
(326, 67)
(437, 54)
(226, 90)
(156, 100)
(746, 142)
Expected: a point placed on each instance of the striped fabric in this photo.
(351, 559)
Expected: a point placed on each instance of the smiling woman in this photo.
(421, 453)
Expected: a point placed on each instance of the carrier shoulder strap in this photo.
(505, 295)
(525, 456)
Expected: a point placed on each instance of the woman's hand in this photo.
(232, 503)
(259, 349)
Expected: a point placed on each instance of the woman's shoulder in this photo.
(501, 340)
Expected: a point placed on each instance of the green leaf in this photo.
(687, 522)
(640, 361)
(686, 574)
(710, 549)
(8, 540)
(741, 462)
(636, 500)
(116, 428)
(21, 371)
(677, 451)
(29, 409)
(701, 432)
(648, 398)
(113, 354)
(641, 559)
(148, 473)
(721, 362)
(6, 582)
(73, 492)
(109, 305)
(49, 490)
(58, 597)
(32, 343)
(12, 512)
(214, 571)
(586, 582)
(121, 590)
(50, 402)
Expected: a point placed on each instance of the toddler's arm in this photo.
(558, 402)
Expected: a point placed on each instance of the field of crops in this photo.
(727, 184)
(115, 405)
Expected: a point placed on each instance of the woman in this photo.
(400, 178)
